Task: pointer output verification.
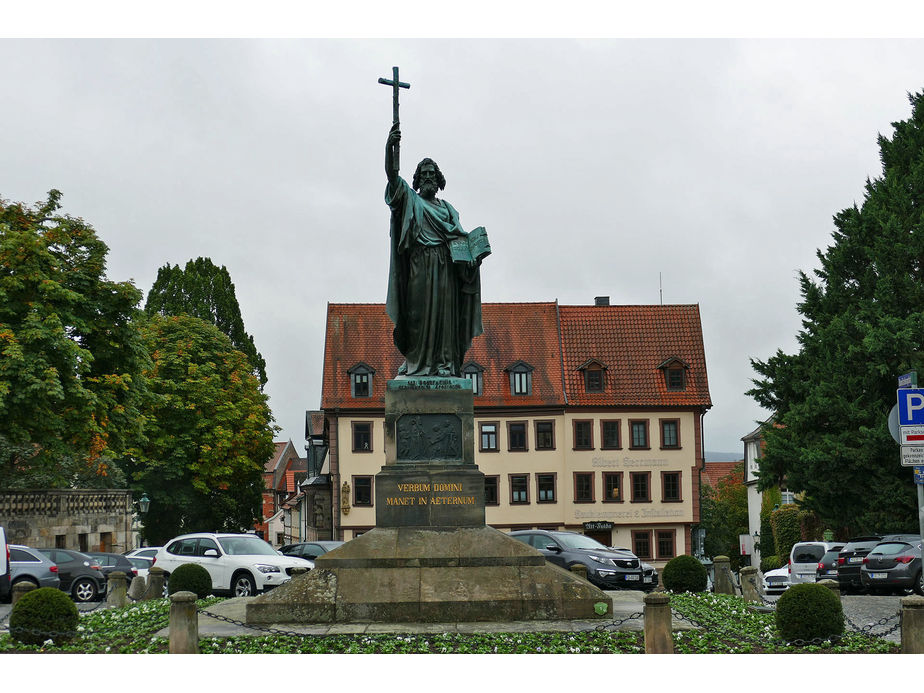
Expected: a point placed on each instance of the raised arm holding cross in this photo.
(392, 154)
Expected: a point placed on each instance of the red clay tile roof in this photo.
(716, 471)
(631, 341)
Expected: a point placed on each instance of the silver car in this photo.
(804, 559)
(30, 565)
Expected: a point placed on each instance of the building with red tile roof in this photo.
(588, 418)
(281, 475)
(714, 472)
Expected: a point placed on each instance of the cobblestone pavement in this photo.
(863, 610)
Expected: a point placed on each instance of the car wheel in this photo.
(919, 583)
(84, 590)
(243, 586)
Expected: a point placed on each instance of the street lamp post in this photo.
(144, 504)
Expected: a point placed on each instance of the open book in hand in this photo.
(472, 247)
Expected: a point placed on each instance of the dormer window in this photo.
(521, 378)
(472, 371)
(675, 374)
(594, 376)
(361, 380)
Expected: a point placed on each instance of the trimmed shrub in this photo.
(809, 611)
(44, 614)
(684, 574)
(768, 563)
(787, 529)
(190, 577)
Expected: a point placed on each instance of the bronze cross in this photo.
(395, 84)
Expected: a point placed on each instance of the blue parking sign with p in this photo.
(910, 407)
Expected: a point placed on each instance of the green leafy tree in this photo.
(204, 291)
(863, 325)
(208, 432)
(70, 354)
(724, 515)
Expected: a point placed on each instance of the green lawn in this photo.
(727, 626)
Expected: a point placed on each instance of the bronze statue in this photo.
(434, 282)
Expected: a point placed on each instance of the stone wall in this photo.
(82, 520)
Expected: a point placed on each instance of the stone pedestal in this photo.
(430, 558)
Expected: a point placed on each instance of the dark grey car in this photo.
(81, 576)
(893, 566)
(309, 550)
(30, 565)
(850, 559)
(607, 568)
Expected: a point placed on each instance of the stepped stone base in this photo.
(430, 575)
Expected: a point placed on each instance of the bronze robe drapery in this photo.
(435, 303)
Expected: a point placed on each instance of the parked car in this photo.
(309, 549)
(649, 577)
(112, 562)
(31, 565)
(804, 558)
(242, 564)
(893, 566)
(827, 566)
(143, 552)
(776, 581)
(851, 558)
(81, 576)
(5, 582)
(141, 565)
(607, 568)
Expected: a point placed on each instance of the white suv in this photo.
(242, 564)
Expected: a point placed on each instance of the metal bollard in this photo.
(912, 622)
(21, 588)
(184, 623)
(155, 583)
(118, 586)
(749, 584)
(658, 627)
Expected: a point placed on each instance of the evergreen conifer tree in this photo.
(205, 291)
(863, 325)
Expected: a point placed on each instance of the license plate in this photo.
(631, 577)
(855, 559)
(879, 576)
(647, 578)
(806, 575)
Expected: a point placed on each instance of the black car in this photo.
(851, 558)
(112, 562)
(81, 576)
(309, 550)
(827, 566)
(607, 568)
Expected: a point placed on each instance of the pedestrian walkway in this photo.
(628, 607)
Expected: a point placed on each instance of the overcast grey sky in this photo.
(597, 167)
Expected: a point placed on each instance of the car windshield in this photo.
(246, 546)
(579, 541)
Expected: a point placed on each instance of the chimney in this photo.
(602, 301)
